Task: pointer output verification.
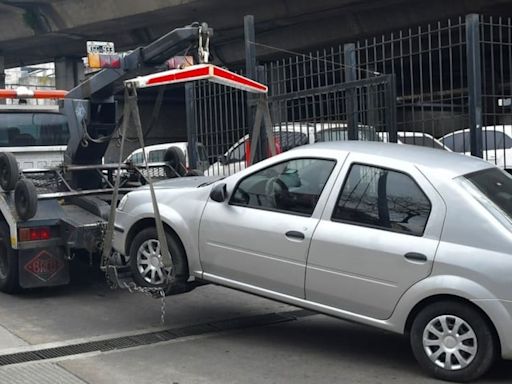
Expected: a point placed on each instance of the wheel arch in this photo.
(150, 222)
(453, 298)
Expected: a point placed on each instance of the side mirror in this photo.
(222, 159)
(219, 193)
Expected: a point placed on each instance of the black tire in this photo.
(194, 172)
(176, 160)
(9, 171)
(179, 260)
(9, 282)
(484, 340)
(25, 199)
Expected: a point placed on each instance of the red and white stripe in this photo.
(199, 72)
(25, 93)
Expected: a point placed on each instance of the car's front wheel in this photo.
(146, 265)
(453, 341)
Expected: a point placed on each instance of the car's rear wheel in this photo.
(146, 265)
(9, 282)
(453, 341)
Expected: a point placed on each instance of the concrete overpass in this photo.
(35, 31)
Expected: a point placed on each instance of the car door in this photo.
(261, 235)
(377, 237)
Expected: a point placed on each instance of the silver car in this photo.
(408, 239)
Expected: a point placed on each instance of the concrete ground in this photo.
(309, 349)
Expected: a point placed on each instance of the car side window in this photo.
(384, 199)
(292, 186)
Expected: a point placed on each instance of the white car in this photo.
(405, 238)
(156, 154)
(422, 139)
(288, 136)
(497, 144)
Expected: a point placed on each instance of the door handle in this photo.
(295, 235)
(415, 256)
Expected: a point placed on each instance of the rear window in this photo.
(21, 129)
(496, 186)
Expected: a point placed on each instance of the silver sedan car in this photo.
(411, 240)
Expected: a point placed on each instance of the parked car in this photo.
(156, 154)
(423, 139)
(497, 144)
(288, 136)
(405, 238)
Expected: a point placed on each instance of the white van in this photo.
(37, 135)
(155, 154)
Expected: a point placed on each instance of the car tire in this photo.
(454, 331)
(141, 259)
(9, 282)
(175, 158)
(9, 171)
(194, 172)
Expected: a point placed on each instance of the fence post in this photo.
(391, 109)
(474, 68)
(190, 105)
(251, 73)
(351, 97)
(2, 74)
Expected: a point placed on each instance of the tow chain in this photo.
(113, 282)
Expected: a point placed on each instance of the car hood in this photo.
(184, 182)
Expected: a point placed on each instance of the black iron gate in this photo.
(308, 112)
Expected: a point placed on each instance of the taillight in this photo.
(34, 234)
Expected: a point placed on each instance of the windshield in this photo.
(496, 187)
(21, 129)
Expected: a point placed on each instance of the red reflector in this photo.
(34, 234)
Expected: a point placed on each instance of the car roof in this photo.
(449, 162)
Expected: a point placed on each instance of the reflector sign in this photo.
(199, 72)
(44, 266)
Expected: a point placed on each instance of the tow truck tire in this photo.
(9, 282)
(9, 171)
(25, 199)
(176, 159)
(145, 241)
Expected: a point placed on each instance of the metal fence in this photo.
(445, 84)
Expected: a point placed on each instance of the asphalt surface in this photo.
(307, 349)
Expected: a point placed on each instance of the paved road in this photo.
(308, 349)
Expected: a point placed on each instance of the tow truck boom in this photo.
(91, 109)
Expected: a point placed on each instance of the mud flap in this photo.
(43, 267)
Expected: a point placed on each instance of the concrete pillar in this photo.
(69, 72)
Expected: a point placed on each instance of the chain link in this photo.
(113, 282)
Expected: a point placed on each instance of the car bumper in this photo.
(500, 312)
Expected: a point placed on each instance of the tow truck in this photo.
(49, 215)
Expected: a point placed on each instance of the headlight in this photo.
(122, 203)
